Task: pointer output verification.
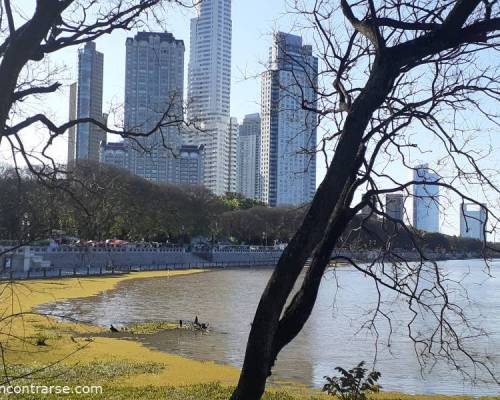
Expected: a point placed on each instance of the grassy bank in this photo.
(53, 352)
(33, 340)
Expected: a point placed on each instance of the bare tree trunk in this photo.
(330, 209)
(267, 335)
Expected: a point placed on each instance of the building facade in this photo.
(472, 221)
(209, 92)
(249, 157)
(86, 102)
(288, 141)
(425, 198)
(115, 154)
(395, 206)
(154, 80)
(232, 146)
(209, 83)
(73, 91)
(190, 165)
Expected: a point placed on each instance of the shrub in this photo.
(354, 384)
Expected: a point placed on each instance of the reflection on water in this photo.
(227, 300)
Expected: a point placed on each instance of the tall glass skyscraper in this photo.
(473, 220)
(249, 156)
(288, 147)
(86, 102)
(425, 199)
(154, 79)
(209, 92)
(209, 86)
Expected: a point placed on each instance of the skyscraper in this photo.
(395, 206)
(232, 146)
(86, 102)
(209, 91)
(425, 199)
(288, 157)
(154, 81)
(472, 221)
(209, 84)
(249, 156)
(73, 90)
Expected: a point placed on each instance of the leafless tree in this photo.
(29, 34)
(388, 68)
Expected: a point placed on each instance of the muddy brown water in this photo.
(227, 299)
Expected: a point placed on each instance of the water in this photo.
(332, 337)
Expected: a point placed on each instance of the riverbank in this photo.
(125, 369)
(32, 339)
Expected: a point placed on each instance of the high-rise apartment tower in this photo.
(154, 81)
(425, 199)
(209, 93)
(86, 102)
(288, 146)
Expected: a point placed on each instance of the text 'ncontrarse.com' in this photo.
(45, 389)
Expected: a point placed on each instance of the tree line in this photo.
(101, 202)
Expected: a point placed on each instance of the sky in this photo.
(253, 24)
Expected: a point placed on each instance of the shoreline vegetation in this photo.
(148, 210)
(52, 351)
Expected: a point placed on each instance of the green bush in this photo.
(354, 384)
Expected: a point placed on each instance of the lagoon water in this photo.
(332, 337)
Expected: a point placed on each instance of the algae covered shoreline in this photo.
(56, 351)
(22, 331)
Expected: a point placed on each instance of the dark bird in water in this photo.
(200, 325)
(113, 329)
(180, 323)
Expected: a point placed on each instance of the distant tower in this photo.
(395, 206)
(249, 156)
(73, 90)
(154, 81)
(86, 102)
(425, 199)
(232, 183)
(209, 91)
(472, 221)
(288, 149)
(209, 83)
